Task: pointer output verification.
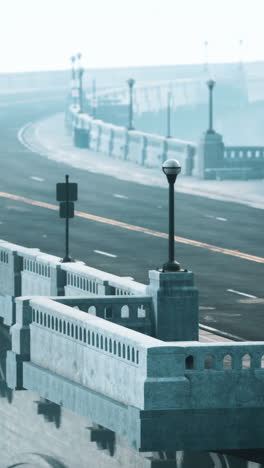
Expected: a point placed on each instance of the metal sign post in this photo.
(66, 195)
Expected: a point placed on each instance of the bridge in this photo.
(116, 328)
(208, 158)
(93, 345)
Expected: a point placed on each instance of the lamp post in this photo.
(130, 83)
(81, 72)
(94, 100)
(171, 168)
(210, 84)
(169, 114)
(73, 58)
(205, 56)
(73, 86)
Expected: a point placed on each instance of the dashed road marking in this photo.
(241, 293)
(38, 179)
(101, 252)
(117, 195)
(218, 218)
(131, 227)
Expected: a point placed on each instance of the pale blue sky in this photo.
(43, 34)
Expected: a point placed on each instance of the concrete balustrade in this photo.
(135, 312)
(139, 147)
(136, 147)
(119, 142)
(11, 265)
(90, 351)
(138, 370)
(86, 281)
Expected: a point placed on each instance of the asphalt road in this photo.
(223, 224)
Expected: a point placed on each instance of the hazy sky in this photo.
(43, 34)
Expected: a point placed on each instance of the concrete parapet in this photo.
(87, 281)
(142, 148)
(42, 275)
(176, 308)
(134, 312)
(136, 369)
(20, 345)
(210, 154)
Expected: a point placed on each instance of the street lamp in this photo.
(81, 72)
(73, 58)
(169, 114)
(205, 56)
(171, 168)
(210, 84)
(130, 83)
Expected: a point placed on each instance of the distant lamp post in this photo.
(169, 114)
(73, 59)
(74, 90)
(81, 72)
(94, 99)
(171, 168)
(210, 84)
(205, 56)
(240, 64)
(131, 83)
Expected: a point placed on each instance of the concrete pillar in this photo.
(58, 280)
(81, 137)
(175, 300)
(210, 155)
(20, 345)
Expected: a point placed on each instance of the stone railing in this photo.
(134, 312)
(217, 161)
(135, 369)
(86, 281)
(142, 148)
(34, 273)
(249, 158)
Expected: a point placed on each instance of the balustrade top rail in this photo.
(87, 279)
(89, 329)
(192, 355)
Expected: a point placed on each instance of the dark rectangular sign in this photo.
(61, 191)
(63, 209)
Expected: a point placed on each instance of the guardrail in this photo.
(142, 148)
(139, 370)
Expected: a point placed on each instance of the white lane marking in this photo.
(105, 253)
(21, 131)
(117, 195)
(38, 179)
(218, 218)
(206, 308)
(241, 293)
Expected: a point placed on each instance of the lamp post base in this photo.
(67, 259)
(171, 266)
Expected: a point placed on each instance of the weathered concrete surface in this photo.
(176, 305)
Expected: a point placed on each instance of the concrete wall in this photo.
(139, 147)
(142, 371)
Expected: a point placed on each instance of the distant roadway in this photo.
(231, 285)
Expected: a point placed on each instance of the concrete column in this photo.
(210, 155)
(20, 345)
(189, 160)
(175, 300)
(58, 280)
